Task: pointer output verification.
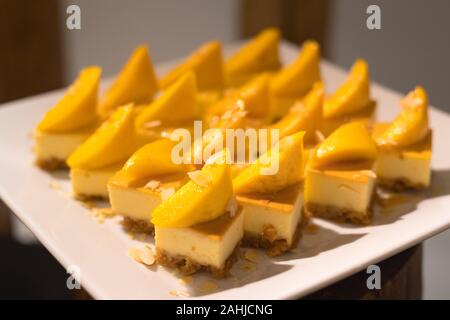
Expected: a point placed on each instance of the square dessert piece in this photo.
(272, 221)
(200, 225)
(341, 191)
(52, 149)
(136, 201)
(69, 122)
(339, 177)
(272, 203)
(404, 145)
(211, 245)
(404, 167)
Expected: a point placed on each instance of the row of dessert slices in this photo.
(330, 156)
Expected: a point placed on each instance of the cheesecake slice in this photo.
(351, 101)
(136, 83)
(200, 227)
(259, 55)
(175, 108)
(146, 179)
(272, 202)
(404, 145)
(339, 177)
(94, 162)
(69, 123)
(295, 80)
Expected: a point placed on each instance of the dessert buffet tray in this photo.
(97, 248)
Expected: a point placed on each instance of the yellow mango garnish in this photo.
(77, 109)
(411, 125)
(288, 171)
(304, 115)
(177, 104)
(136, 83)
(196, 203)
(206, 63)
(152, 160)
(258, 55)
(350, 142)
(353, 95)
(298, 78)
(112, 142)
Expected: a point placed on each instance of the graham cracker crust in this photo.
(187, 266)
(268, 241)
(339, 214)
(51, 164)
(138, 226)
(399, 184)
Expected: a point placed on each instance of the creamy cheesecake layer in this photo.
(209, 244)
(345, 190)
(280, 210)
(365, 115)
(407, 167)
(135, 200)
(58, 146)
(92, 183)
(133, 203)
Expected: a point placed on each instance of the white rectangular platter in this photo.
(70, 232)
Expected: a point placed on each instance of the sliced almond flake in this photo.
(147, 256)
(135, 254)
(167, 193)
(152, 124)
(232, 206)
(165, 134)
(240, 114)
(219, 157)
(153, 185)
(319, 136)
(252, 255)
(240, 104)
(199, 177)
